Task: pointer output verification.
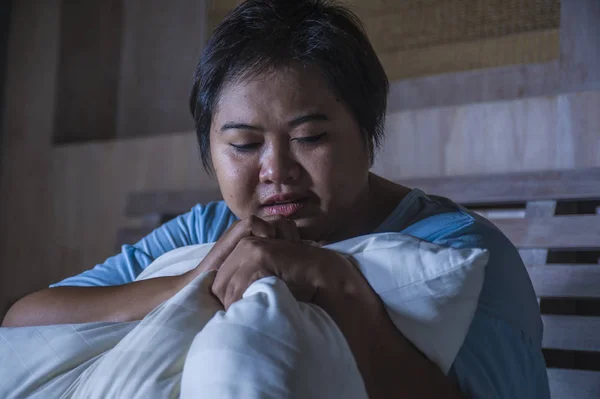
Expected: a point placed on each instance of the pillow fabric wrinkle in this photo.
(258, 330)
(424, 278)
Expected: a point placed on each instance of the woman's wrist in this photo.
(352, 304)
(184, 279)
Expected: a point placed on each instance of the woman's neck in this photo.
(379, 200)
(384, 197)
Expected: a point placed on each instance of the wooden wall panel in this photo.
(25, 203)
(539, 46)
(90, 48)
(414, 24)
(92, 182)
(558, 132)
(580, 45)
(60, 206)
(161, 47)
(577, 69)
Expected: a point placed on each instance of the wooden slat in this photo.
(169, 202)
(575, 184)
(572, 231)
(566, 281)
(536, 209)
(534, 256)
(517, 213)
(492, 84)
(574, 384)
(578, 333)
(571, 184)
(539, 209)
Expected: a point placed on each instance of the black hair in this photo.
(264, 34)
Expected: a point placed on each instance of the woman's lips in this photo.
(287, 209)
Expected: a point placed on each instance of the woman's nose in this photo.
(279, 167)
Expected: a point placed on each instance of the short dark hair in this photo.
(263, 34)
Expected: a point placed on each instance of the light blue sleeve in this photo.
(203, 224)
(501, 356)
(499, 361)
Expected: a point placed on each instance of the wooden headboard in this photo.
(553, 218)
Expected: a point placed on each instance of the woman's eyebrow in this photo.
(241, 126)
(307, 118)
(293, 123)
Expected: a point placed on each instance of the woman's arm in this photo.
(108, 292)
(133, 301)
(125, 302)
(390, 365)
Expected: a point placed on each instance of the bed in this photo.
(552, 217)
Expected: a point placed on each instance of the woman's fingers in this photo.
(253, 226)
(255, 258)
(258, 227)
(285, 228)
(271, 227)
(229, 282)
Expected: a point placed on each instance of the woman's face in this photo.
(283, 143)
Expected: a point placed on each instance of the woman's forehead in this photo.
(280, 91)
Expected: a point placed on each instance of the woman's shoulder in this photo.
(208, 221)
(435, 218)
(427, 217)
(507, 293)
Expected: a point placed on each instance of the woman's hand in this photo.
(331, 281)
(273, 227)
(312, 274)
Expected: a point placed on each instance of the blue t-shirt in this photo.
(501, 356)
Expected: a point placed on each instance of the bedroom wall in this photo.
(61, 205)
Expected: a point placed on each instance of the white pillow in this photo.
(430, 291)
(265, 345)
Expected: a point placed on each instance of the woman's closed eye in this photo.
(310, 139)
(246, 146)
(306, 140)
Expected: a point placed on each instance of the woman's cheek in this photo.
(242, 178)
(232, 173)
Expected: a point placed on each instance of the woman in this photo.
(289, 101)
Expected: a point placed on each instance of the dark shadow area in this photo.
(5, 10)
(556, 358)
